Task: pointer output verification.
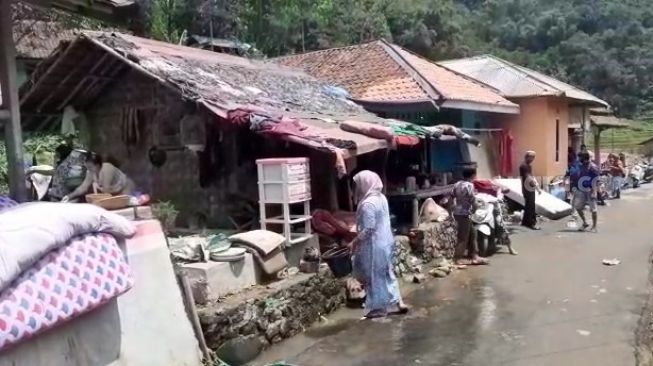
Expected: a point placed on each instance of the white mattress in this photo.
(546, 204)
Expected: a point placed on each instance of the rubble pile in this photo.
(430, 244)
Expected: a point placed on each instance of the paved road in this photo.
(554, 304)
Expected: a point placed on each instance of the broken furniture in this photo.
(286, 182)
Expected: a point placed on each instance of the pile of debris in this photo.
(433, 240)
(429, 245)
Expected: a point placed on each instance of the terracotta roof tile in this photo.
(451, 85)
(367, 72)
(382, 72)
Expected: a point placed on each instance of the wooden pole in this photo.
(10, 103)
(597, 145)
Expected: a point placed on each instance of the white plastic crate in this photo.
(285, 169)
(286, 182)
(296, 192)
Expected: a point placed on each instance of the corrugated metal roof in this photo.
(382, 72)
(514, 81)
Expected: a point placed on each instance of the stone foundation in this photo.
(426, 246)
(263, 316)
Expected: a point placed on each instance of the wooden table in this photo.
(417, 195)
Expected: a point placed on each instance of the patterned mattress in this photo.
(64, 284)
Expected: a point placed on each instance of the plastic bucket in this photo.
(339, 261)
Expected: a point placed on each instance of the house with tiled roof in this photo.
(553, 116)
(393, 82)
(210, 114)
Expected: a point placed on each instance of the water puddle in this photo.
(330, 328)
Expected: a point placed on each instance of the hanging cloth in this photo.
(67, 121)
(506, 153)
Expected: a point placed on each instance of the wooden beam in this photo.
(54, 90)
(56, 63)
(81, 82)
(137, 67)
(10, 103)
(597, 145)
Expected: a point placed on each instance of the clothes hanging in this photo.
(506, 153)
(68, 121)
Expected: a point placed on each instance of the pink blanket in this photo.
(61, 286)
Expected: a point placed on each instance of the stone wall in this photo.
(233, 168)
(160, 114)
(268, 315)
(425, 246)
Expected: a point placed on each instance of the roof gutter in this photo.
(480, 107)
(407, 104)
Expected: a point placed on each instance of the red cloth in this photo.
(325, 223)
(407, 140)
(368, 129)
(486, 186)
(239, 117)
(285, 127)
(506, 153)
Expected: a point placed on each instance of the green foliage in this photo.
(165, 20)
(603, 46)
(166, 213)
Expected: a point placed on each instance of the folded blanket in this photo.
(368, 129)
(63, 285)
(29, 231)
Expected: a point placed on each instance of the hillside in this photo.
(604, 46)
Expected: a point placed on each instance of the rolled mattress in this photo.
(546, 204)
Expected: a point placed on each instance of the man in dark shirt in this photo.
(584, 182)
(529, 188)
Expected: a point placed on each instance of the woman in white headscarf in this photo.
(373, 248)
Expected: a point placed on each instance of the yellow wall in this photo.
(535, 129)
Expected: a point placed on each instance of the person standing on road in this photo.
(618, 173)
(373, 248)
(584, 182)
(465, 204)
(529, 189)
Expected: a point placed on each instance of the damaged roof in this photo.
(115, 11)
(79, 70)
(514, 81)
(381, 72)
(37, 39)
